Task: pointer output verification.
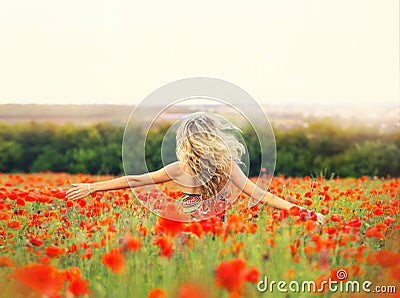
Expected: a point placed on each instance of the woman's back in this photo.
(193, 201)
(186, 180)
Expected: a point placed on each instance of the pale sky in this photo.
(117, 52)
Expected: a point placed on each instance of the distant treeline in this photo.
(321, 148)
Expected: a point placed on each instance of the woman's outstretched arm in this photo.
(259, 195)
(81, 190)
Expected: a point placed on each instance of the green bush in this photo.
(319, 148)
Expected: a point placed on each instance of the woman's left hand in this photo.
(79, 191)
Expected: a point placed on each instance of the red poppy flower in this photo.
(395, 272)
(44, 260)
(336, 217)
(310, 225)
(130, 243)
(44, 279)
(157, 293)
(14, 225)
(389, 220)
(143, 231)
(72, 273)
(374, 232)
(377, 211)
(78, 287)
(324, 211)
(355, 222)
(387, 258)
(35, 242)
(195, 228)
(193, 291)
(6, 262)
(114, 260)
(166, 245)
(295, 210)
(231, 274)
(20, 202)
(253, 275)
(54, 251)
(308, 195)
(166, 224)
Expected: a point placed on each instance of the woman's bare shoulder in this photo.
(173, 169)
(232, 167)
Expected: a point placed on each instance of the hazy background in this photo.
(325, 72)
(117, 52)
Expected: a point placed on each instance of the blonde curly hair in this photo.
(207, 147)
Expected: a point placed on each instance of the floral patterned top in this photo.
(196, 205)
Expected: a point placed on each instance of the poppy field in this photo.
(110, 245)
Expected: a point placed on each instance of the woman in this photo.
(208, 160)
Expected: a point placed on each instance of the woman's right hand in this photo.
(320, 218)
(79, 191)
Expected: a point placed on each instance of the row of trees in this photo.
(319, 148)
